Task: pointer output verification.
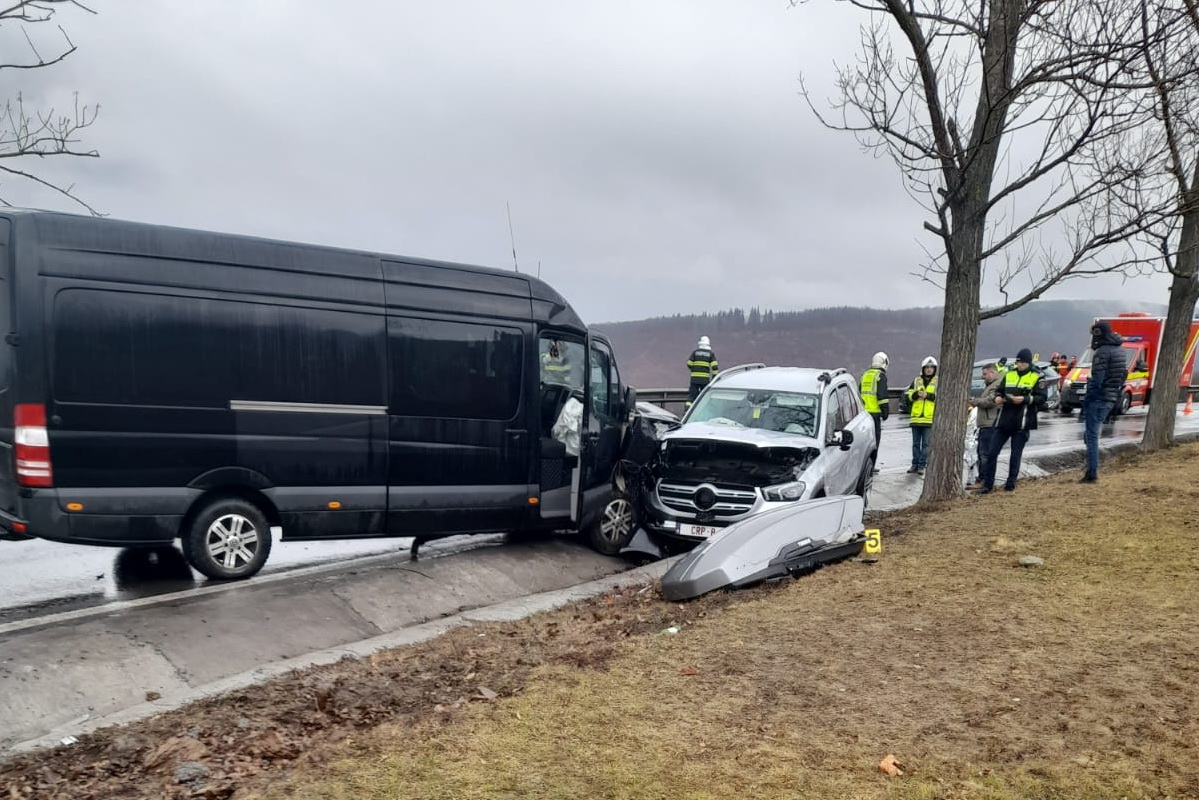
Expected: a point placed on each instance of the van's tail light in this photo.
(32, 446)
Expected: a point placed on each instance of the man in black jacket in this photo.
(1109, 369)
(1019, 397)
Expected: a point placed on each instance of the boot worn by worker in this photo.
(1088, 478)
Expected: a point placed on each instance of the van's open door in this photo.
(561, 367)
(603, 429)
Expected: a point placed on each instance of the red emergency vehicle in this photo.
(1142, 335)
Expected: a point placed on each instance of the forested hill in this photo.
(653, 352)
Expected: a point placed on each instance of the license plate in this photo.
(698, 531)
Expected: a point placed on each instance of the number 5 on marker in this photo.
(874, 541)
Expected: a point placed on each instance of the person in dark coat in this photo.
(1109, 369)
(1019, 397)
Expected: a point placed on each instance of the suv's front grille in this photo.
(726, 501)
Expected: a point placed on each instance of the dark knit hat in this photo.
(1024, 355)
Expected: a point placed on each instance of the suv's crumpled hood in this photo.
(703, 453)
(751, 436)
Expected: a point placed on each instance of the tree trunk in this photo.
(959, 337)
(1184, 292)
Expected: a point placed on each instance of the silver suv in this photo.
(757, 438)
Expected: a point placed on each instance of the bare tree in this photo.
(999, 114)
(1170, 60)
(28, 134)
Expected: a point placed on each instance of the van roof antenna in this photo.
(512, 236)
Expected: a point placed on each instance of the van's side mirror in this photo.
(1141, 366)
(630, 401)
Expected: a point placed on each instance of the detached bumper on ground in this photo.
(774, 544)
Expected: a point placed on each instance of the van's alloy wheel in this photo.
(228, 539)
(615, 526)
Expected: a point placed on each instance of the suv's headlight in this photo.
(784, 492)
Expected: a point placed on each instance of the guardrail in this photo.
(674, 400)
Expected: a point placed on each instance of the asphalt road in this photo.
(42, 577)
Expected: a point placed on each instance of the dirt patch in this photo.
(984, 678)
(260, 734)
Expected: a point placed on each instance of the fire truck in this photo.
(1142, 334)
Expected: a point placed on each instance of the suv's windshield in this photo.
(784, 412)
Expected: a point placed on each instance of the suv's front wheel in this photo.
(866, 482)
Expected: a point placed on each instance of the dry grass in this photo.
(986, 679)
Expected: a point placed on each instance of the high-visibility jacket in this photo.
(702, 366)
(873, 390)
(923, 408)
(554, 367)
(1023, 416)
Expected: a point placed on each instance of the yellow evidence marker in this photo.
(874, 541)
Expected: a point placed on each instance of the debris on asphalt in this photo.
(1032, 561)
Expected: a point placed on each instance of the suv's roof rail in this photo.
(724, 373)
(825, 377)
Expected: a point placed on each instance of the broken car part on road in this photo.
(773, 544)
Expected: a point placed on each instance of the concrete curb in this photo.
(508, 610)
(1076, 458)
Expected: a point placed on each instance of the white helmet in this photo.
(879, 361)
(928, 362)
(705, 343)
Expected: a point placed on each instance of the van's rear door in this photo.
(8, 484)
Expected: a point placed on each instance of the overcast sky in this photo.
(656, 154)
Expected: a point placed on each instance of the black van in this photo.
(159, 383)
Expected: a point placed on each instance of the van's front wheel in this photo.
(228, 540)
(615, 526)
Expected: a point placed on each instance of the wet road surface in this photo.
(41, 577)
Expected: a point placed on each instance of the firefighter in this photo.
(703, 368)
(554, 366)
(1063, 369)
(873, 390)
(922, 395)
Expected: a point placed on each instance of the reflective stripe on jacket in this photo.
(923, 408)
(702, 366)
(1022, 416)
(874, 381)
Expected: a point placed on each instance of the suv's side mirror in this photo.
(842, 439)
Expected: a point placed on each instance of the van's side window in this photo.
(126, 348)
(454, 369)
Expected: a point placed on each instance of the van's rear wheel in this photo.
(228, 540)
(615, 526)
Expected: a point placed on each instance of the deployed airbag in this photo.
(772, 544)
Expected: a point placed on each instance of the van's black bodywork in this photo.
(345, 394)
